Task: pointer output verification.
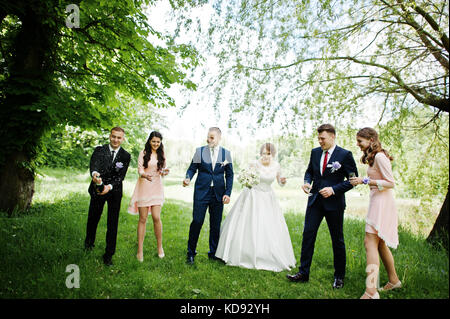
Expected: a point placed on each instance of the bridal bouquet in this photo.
(248, 177)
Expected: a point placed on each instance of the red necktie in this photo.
(325, 162)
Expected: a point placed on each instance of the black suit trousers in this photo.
(335, 220)
(95, 212)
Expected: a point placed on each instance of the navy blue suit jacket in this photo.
(222, 175)
(338, 179)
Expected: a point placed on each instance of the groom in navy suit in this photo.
(328, 171)
(212, 190)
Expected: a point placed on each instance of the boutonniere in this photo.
(224, 163)
(334, 166)
(119, 165)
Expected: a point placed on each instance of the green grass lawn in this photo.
(38, 246)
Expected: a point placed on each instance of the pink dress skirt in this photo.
(146, 193)
(382, 218)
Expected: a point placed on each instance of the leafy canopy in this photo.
(84, 76)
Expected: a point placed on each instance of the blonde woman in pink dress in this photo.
(382, 219)
(148, 195)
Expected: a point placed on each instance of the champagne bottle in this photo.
(99, 187)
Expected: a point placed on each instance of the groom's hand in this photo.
(326, 192)
(105, 190)
(306, 188)
(96, 178)
(186, 182)
(225, 199)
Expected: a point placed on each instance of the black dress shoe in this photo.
(107, 261)
(298, 277)
(213, 257)
(89, 247)
(338, 283)
(190, 260)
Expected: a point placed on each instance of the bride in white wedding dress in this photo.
(254, 234)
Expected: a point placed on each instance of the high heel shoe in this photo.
(391, 286)
(161, 255)
(141, 259)
(376, 295)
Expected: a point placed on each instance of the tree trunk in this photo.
(16, 184)
(28, 79)
(439, 233)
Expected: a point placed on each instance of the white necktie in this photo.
(213, 158)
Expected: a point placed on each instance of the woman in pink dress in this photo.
(148, 195)
(381, 220)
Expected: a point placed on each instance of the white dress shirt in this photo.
(214, 158)
(115, 151)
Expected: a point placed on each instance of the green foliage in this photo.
(72, 146)
(329, 61)
(421, 154)
(85, 76)
(69, 146)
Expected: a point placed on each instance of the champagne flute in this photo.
(309, 188)
(283, 177)
(187, 180)
(351, 175)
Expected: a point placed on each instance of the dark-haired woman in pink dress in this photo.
(148, 195)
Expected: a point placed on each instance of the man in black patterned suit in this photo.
(108, 166)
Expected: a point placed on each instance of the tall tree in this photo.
(333, 60)
(54, 71)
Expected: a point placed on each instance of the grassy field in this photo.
(38, 246)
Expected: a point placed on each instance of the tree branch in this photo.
(429, 99)
(434, 25)
(433, 50)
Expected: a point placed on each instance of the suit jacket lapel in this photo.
(332, 159)
(319, 156)
(206, 152)
(107, 153)
(219, 157)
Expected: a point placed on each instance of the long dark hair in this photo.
(374, 147)
(159, 151)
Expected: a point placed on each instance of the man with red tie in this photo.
(328, 170)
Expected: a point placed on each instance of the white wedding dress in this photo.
(254, 234)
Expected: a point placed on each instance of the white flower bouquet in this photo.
(248, 177)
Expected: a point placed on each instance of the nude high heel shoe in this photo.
(141, 259)
(376, 295)
(391, 286)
